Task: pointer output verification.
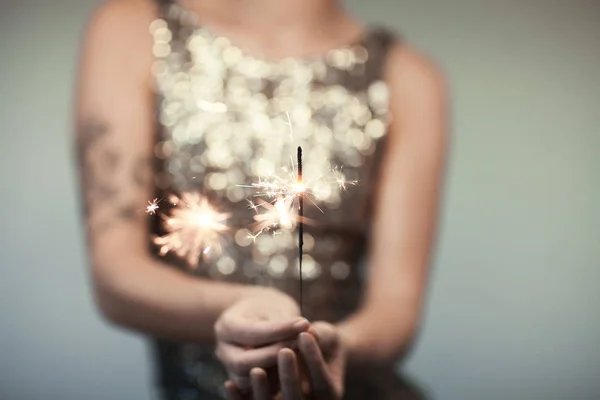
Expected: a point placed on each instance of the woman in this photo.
(215, 99)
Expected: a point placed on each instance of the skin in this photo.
(114, 119)
(322, 379)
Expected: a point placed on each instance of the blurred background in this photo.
(514, 296)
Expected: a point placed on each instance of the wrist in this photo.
(350, 339)
(254, 291)
(364, 345)
(224, 295)
(271, 296)
(279, 297)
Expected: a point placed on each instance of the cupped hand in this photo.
(251, 333)
(323, 356)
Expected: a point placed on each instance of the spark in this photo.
(252, 206)
(298, 187)
(253, 237)
(339, 178)
(280, 214)
(289, 124)
(280, 195)
(288, 186)
(152, 207)
(278, 204)
(194, 228)
(273, 187)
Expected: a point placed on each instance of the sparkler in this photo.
(279, 186)
(279, 190)
(282, 193)
(194, 228)
(287, 186)
(300, 222)
(286, 210)
(284, 207)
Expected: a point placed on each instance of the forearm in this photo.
(376, 334)
(150, 297)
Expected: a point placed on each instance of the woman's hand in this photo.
(323, 356)
(252, 331)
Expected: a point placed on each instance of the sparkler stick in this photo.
(300, 223)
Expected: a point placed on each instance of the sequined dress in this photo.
(228, 120)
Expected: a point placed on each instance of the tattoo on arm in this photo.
(99, 162)
(141, 172)
(90, 137)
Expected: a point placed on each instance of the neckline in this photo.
(197, 26)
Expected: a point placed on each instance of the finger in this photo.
(231, 392)
(326, 335)
(273, 380)
(242, 383)
(260, 384)
(253, 333)
(317, 368)
(289, 376)
(240, 361)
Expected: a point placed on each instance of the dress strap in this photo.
(180, 22)
(378, 43)
(165, 8)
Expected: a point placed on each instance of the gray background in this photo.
(515, 289)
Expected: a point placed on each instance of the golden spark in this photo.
(338, 177)
(281, 194)
(194, 228)
(152, 207)
(280, 214)
(289, 124)
(284, 186)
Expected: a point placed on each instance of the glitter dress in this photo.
(228, 120)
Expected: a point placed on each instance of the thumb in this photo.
(326, 335)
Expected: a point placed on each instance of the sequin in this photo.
(340, 270)
(284, 240)
(375, 128)
(265, 244)
(226, 265)
(310, 268)
(278, 265)
(217, 181)
(243, 237)
(309, 242)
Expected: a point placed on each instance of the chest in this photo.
(230, 124)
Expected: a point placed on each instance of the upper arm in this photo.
(114, 128)
(411, 179)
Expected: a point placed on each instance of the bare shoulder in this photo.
(121, 14)
(410, 73)
(418, 97)
(121, 27)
